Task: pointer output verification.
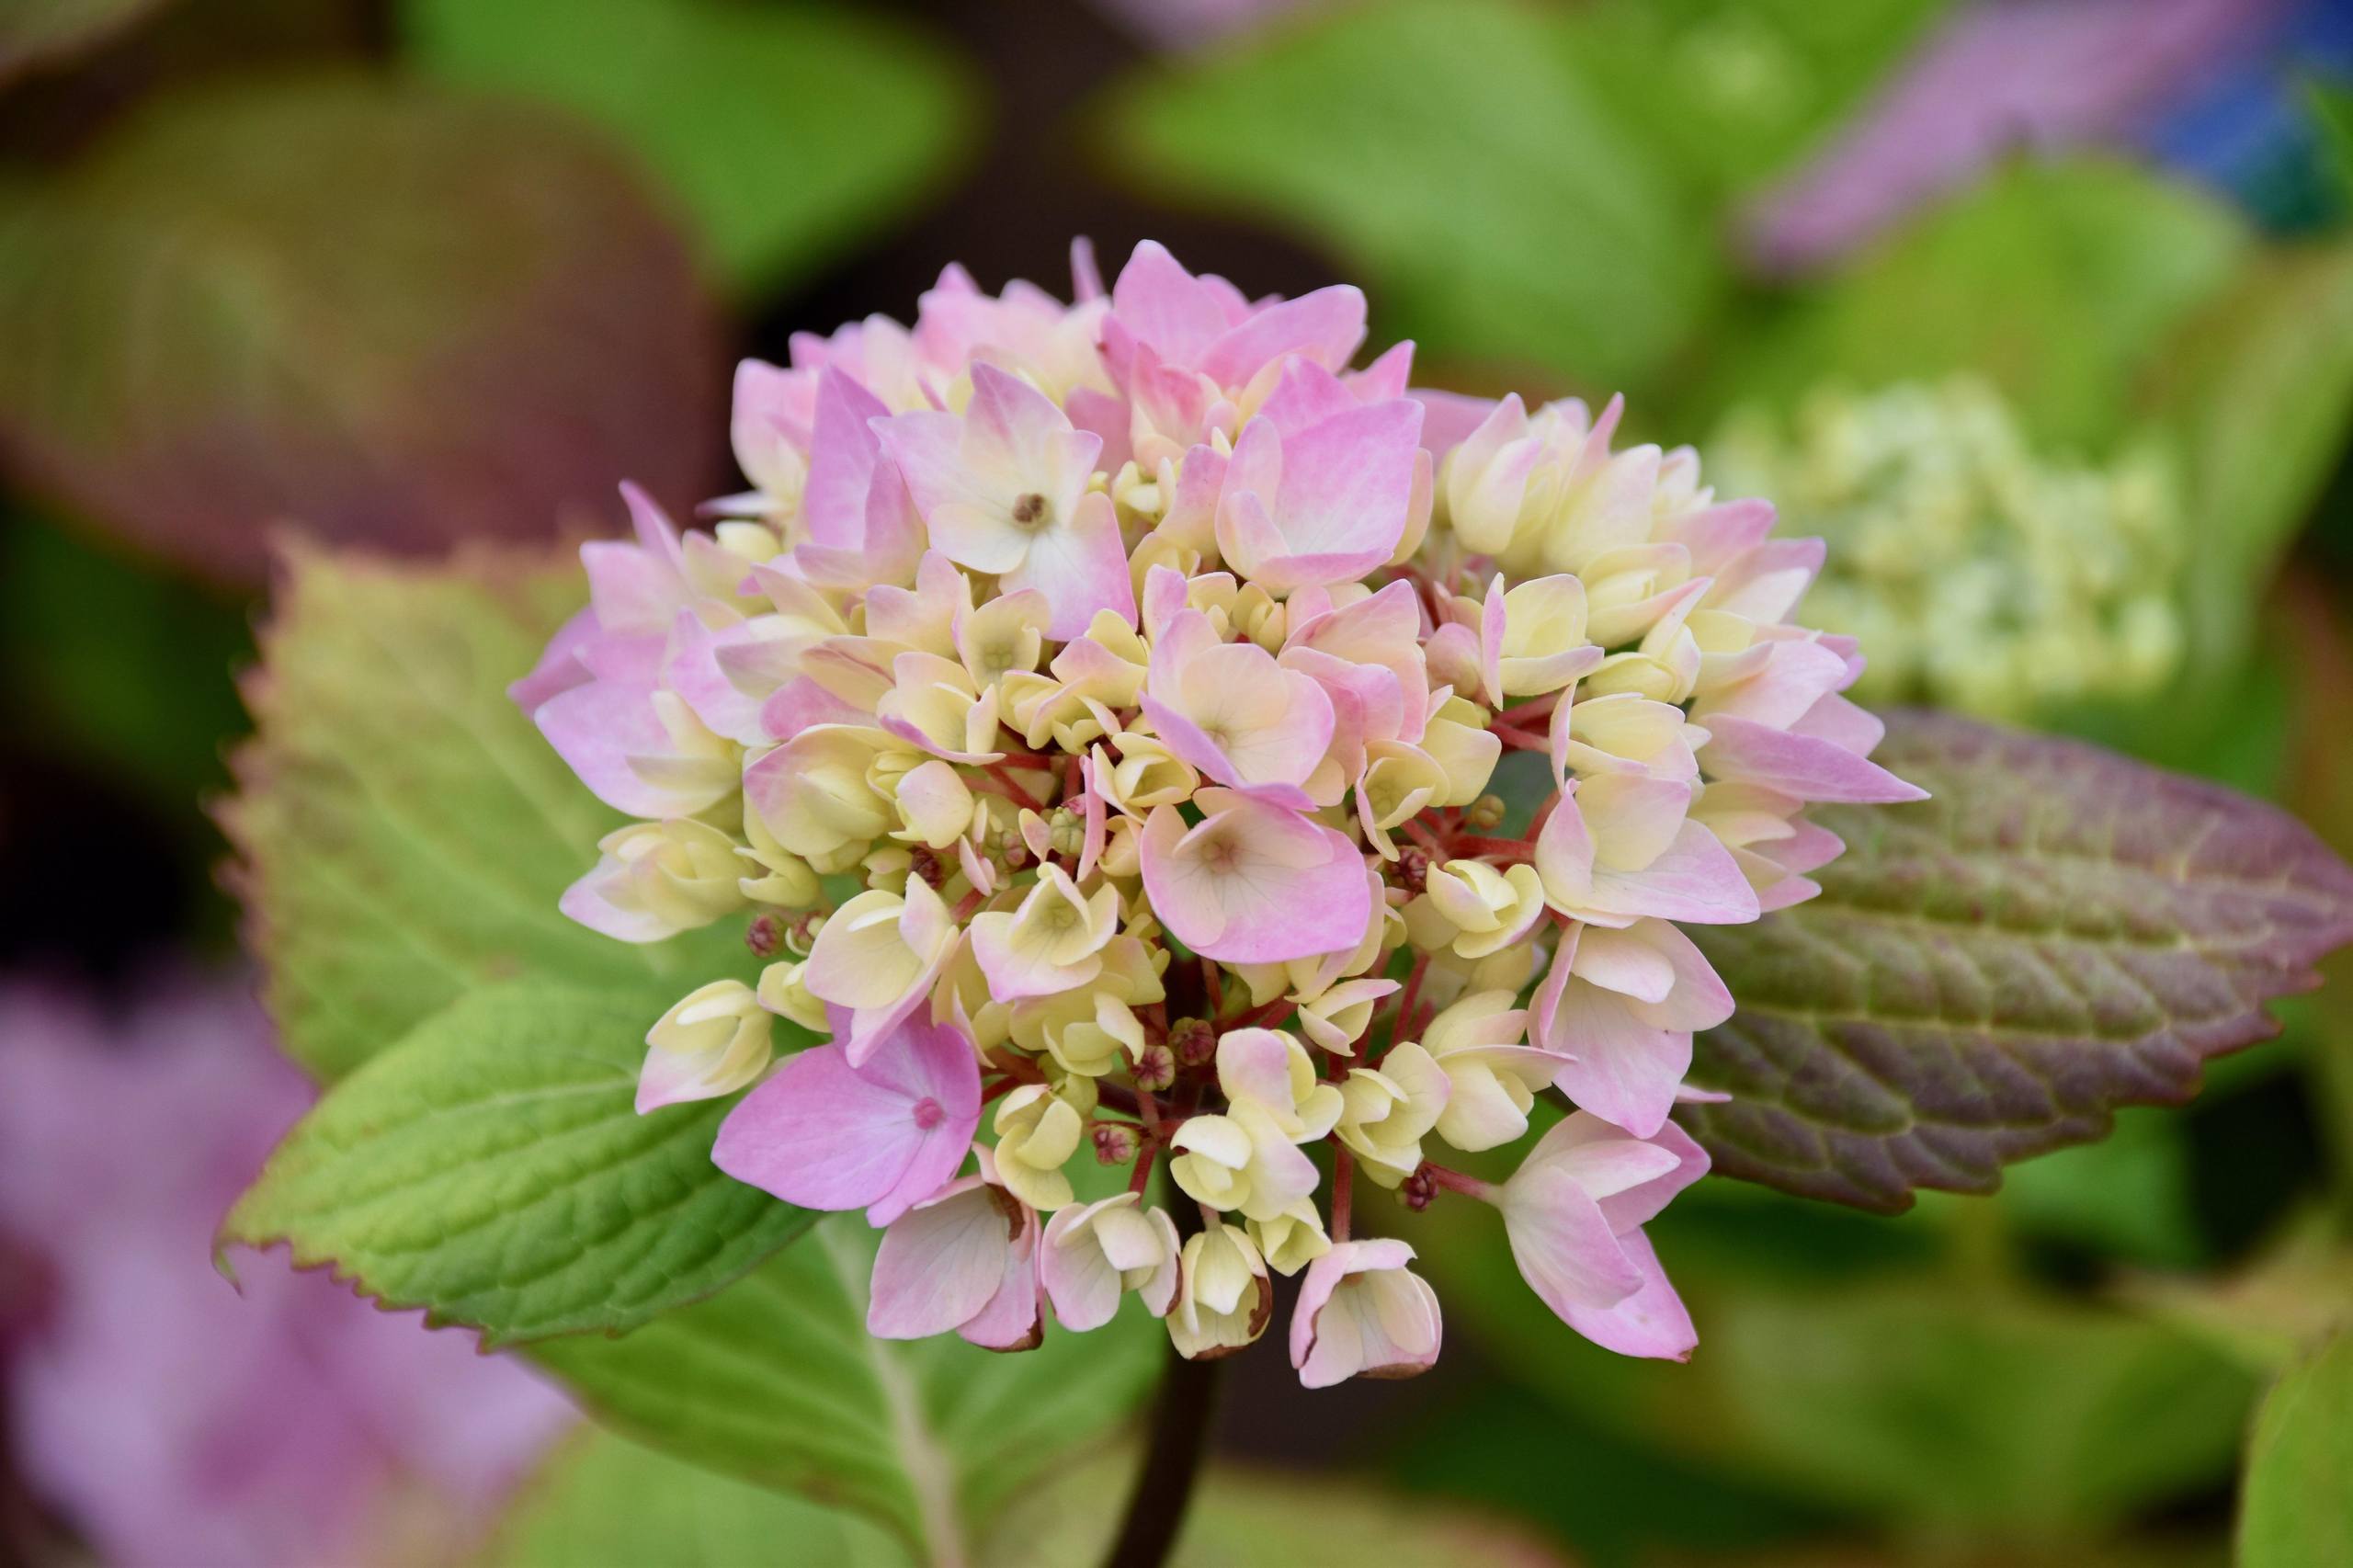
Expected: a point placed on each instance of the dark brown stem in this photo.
(1179, 1439)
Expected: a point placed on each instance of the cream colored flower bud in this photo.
(713, 1041)
(1036, 1133)
(783, 992)
(1222, 1297)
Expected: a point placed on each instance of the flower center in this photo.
(1029, 509)
(928, 1113)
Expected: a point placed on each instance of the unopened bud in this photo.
(1156, 1068)
(1486, 813)
(1413, 868)
(925, 863)
(1416, 1191)
(1193, 1041)
(1115, 1144)
(765, 936)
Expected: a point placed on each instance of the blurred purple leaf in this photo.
(1989, 973)
(390, 314)
(35, 33)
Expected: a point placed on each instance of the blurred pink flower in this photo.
(165, 1415)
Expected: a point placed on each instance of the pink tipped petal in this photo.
(1652, 1322)
(1012, 1318)
(1360, 1311)
(1696, 880)
(1157, 301)
(1621, 1068)
(1254, 883)
(560, 667)
(842, 457)
(1811, 769)
(941, 1263)
(1326, 326)
(1565, 1247)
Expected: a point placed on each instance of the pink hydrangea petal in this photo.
(1080, 567)
(1155, 301)
(826, 1135)
(597, 728)
(1326, 326)
(1292, 888)
(560, 667)
(1621, 1067)
(1077, 1279)
(1011, 1320)
(1696, 880)
(842, 456)
(1565, 1247)
(1652, 1322)
(941, 1262)
(1799, 765)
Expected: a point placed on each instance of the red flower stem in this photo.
(1408, 997)
(1003, 773)
(1536, 707)
(1343, 1170)
(1459, 1181)
(1479, 843)
(1524, 740)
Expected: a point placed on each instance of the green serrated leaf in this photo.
(786, 133)
(492, 1168)
(2296, 1509)
(1989, 973)
(1449, 151)
(404, 831)
(213, 325)
(775, 1381)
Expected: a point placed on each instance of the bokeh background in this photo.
(2041, 309)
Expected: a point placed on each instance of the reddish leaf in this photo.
(392, 314)
(1988, 974)
(34, 33)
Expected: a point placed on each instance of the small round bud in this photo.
(1193, 1041)
(1416, 1191)
(1155, 1069)
(1115, 1144)
(1413, 868)
(925, 863)
(1486, 813)
(1017, 855)
(765, 936)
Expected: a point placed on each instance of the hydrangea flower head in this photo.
(1092, 710)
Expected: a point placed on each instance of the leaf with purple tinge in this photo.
(1988, 974)
(39, 33)
(390, 314)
